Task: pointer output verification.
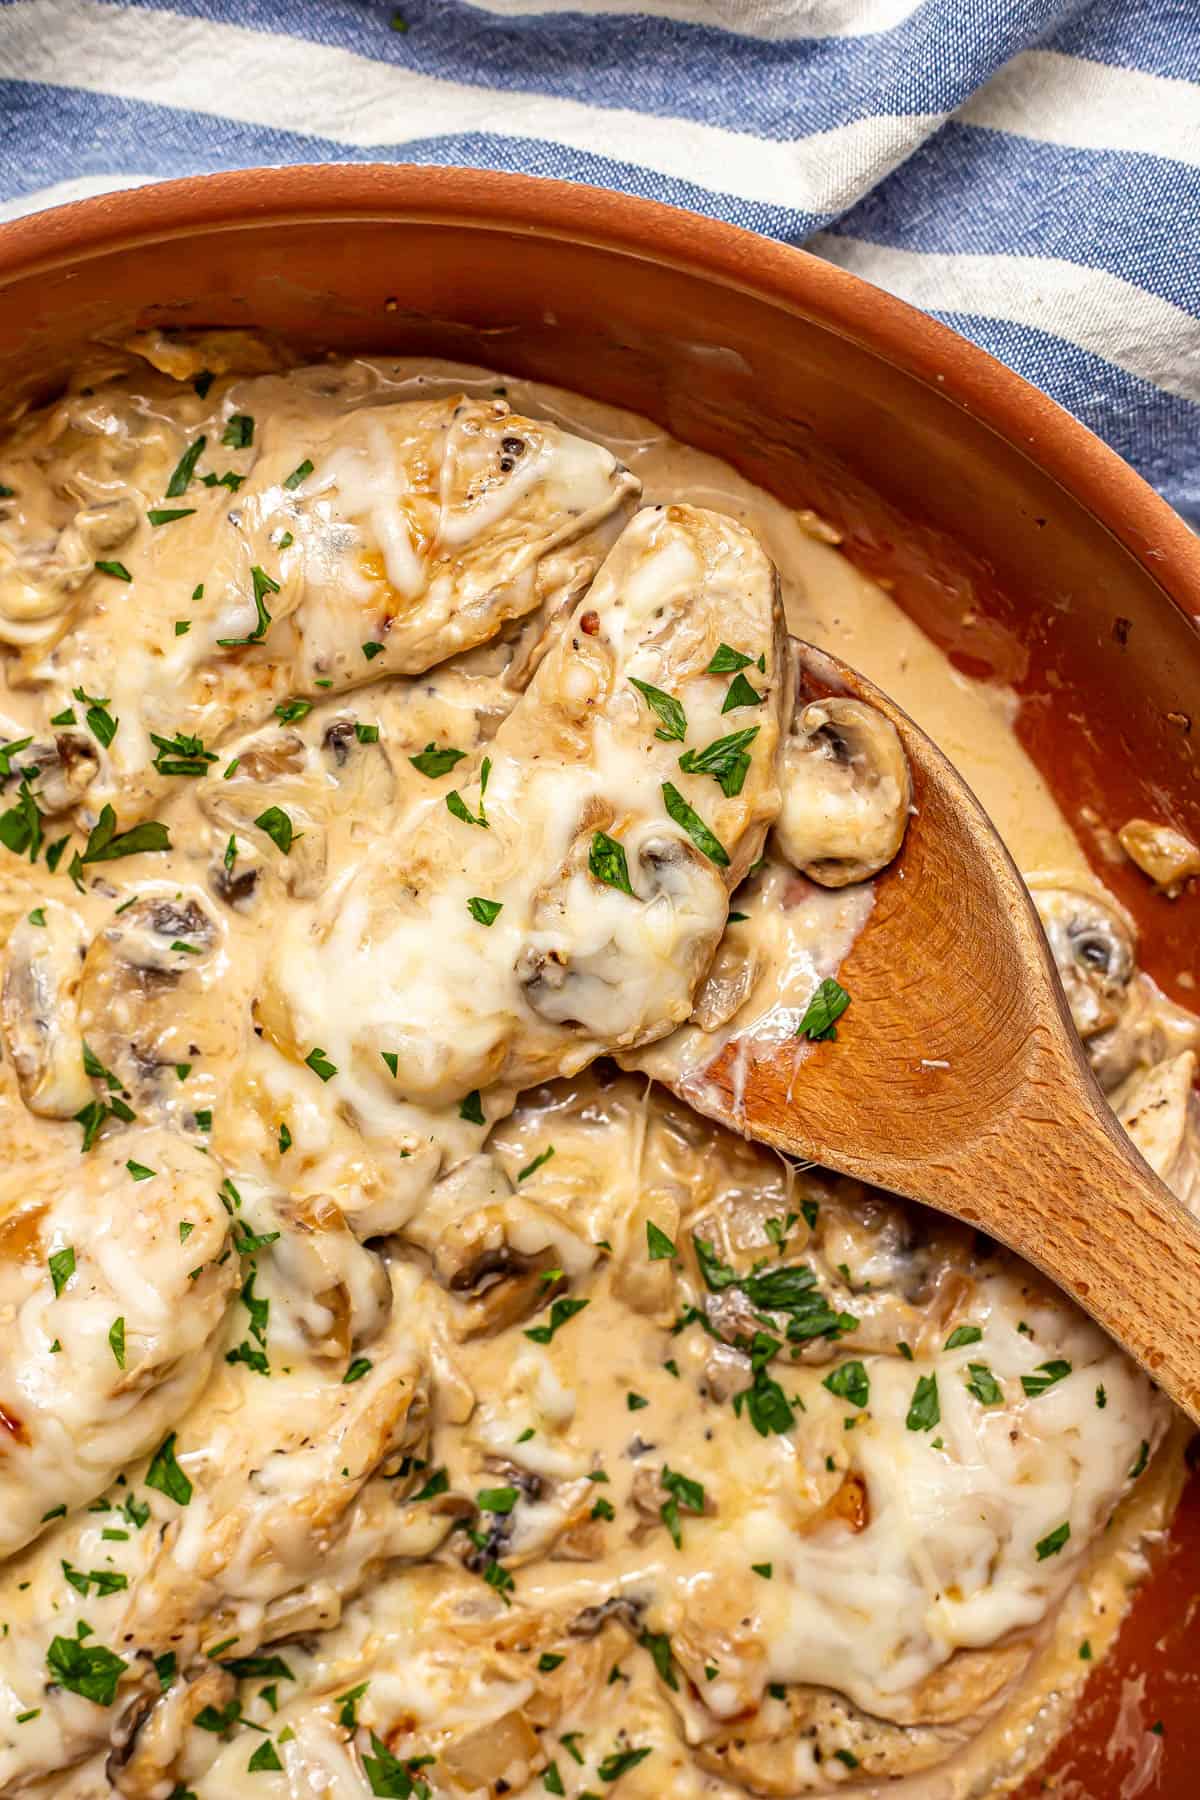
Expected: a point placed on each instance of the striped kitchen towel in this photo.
(1027, 170)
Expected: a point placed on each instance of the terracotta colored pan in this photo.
(1023, 547)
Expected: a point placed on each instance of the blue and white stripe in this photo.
(1027, 170)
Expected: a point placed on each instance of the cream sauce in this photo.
(497, 1433)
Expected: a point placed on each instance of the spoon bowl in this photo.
(957, 1079)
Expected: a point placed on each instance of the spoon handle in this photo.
(1102, 1225)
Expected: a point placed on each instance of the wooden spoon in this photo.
(957, 1078)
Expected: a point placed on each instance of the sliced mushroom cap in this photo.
(846, 792)
(154, 1730)
(61, 772)
(272, 775)
(360, 768)
(1160, 1110)
(340, 1293)
(40, 1012)
(100, 527)
(1093, 943)
(150, 996)
(495, 1248)
(1164, 854)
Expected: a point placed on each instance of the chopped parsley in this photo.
(537, 1163)
(166, 515)
(983, 1385)
(289, 711)
(659, 1646)
(265, 1757)
(239, 433)
(659, 1246)
(116, 1341)
(438, 1483)
(694, 825)
(1140, 1461)
(924, 1411)
(1048, 1375)
(185, 468)
(685, 1493)
(497, 1500)
(278, 826)
(560, 1312)
(963, 1334)
(726, 759)
(726, 661)
(849, 1381)
(471, 1108)
(116, 569)
(138, 1170)
(264, 584)
(90, 1670)
(62, 1267)
(21, 825)
(181, 755)
(673, 728)
(105, 843)
(741, 694)
(371, 650)
(362, 1365)
(484, 912)
(300, 473)
(435, 763)
(348, 1716)
(165, 1474)
(606, 861)
(320, 1064)
(458, 806)
(100, 721)
(1053, 1542)
(823, 1011)
(612, 1767)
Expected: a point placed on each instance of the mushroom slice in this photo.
(1160, 1111)
(494, 1248)
(110, 1275)
(338, 1290)
(569, 895)
(846, 792)
(150, 997)
(61, 771)
(1093, 941)
(40, 1012)
(1164, 854)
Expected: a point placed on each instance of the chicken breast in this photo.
(410, 531)
(111, 1274)
(567, 897)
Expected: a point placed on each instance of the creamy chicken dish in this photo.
(403, 1389)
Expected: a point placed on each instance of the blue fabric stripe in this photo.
(966, 190)
(1158, 433)
(67, 134)
(1160, 37)
(971, 191)
(776, 90)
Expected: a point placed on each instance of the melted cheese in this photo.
(403, 1407)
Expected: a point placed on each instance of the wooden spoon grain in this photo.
(957, 1078)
